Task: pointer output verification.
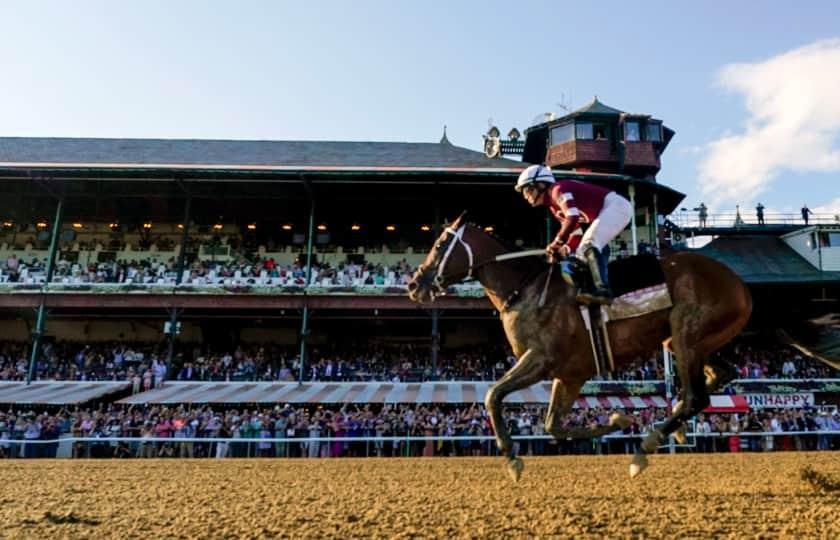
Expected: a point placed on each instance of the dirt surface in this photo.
(694, 496)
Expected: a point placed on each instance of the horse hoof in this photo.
(679, 435)
(638, 465)
(620, 419)
(514, 468)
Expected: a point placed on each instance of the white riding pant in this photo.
(613, 218)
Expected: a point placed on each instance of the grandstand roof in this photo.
(364, 392)
(765, 260)
(240, 155)
(214, 161)
(57, 392)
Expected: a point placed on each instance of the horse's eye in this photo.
(438, 246)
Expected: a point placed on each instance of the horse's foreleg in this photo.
(563, 396)
(528, 370)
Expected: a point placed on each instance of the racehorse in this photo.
(710, 306)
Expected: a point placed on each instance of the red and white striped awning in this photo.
(57, 392)
(366, 392)
(727, 404)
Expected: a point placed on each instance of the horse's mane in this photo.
(525, 265)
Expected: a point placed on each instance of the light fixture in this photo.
(425, 228)
(180, 225)
(322, 227)
(355, 227)
(488, 228)
(147, 225)
(252, 226)
(8, 224)
(218, 227)
(42, 224)
(390, 228)
(113, 225)
(77, 225)
(287, 227)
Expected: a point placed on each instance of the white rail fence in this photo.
(65, 444)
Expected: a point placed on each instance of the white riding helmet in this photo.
(534, 173)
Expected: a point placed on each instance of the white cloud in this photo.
(830, 208)
(793, 101)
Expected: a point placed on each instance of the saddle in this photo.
(639, 288)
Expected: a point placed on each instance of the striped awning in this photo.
(57, 392)
(725, 403)
(366, 392)
(728, 404)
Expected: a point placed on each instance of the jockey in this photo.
(572, 202)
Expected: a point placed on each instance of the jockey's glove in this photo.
(557, 249)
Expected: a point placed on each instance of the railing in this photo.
(688, 218)
(139, 446)
(255, 285)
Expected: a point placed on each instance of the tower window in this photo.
(562, 133)
(583, 130)
(654, 132)
(631, 131)
(600, 131)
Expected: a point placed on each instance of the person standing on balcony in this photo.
(805, 212)
(759, 212)
(702, 214)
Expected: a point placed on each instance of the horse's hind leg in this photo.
(530, 369)
(686, 320)
(719, 373)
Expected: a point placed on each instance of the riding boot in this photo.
(600, 292)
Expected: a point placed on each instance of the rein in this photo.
(457, 238)
(514, 296)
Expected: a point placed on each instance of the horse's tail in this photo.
(818, 338)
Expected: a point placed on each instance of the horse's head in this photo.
(449, 262)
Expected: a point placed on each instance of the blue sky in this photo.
(399, 71)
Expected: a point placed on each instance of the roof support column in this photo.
(179, 274)
(435, 313)
(304, 326)
(632, 191)
(42, 310)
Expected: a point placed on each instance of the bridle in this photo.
(457, 237)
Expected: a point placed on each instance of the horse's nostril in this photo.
(412, 286)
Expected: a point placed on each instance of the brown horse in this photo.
(710, 306)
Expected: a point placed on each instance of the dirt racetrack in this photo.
(696, 496)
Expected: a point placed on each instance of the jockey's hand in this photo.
(557, 249)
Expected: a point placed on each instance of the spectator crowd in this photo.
(144, 363)
(379, 424)
(263, 272)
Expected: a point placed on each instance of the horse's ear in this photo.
(459, 220)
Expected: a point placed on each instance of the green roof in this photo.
(596, 107)
(765, 260)
(275, 156)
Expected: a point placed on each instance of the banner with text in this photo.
(780, 401)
